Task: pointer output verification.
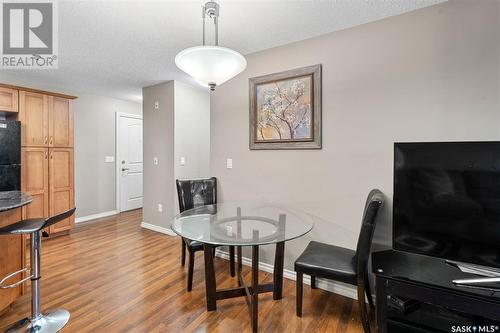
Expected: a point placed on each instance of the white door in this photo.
(129, 161)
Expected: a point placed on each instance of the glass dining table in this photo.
(238, 225)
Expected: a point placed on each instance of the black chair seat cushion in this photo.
(23, 227)
(194, 245)
(30, 226)
(328, 261)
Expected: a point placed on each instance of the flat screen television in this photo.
(447, 200)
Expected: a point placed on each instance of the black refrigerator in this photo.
(10, 155)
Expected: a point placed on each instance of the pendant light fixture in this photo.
(211, 65)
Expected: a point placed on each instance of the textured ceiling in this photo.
(114, 48)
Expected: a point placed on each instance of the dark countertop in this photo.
(13, 199)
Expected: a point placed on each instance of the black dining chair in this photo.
(191, 194)
(341, 264)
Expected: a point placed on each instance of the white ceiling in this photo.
(114, 48)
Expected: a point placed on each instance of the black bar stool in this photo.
(50, 322)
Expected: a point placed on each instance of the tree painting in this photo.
(284, 110)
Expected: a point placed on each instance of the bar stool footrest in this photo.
(11, 275)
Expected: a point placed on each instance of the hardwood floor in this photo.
(114, 276)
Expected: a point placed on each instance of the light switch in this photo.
(155, 160)
(109, 159)
(229, 163)
(183, 161)
(160, 208)
(157, 105)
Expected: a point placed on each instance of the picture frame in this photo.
(285, 110)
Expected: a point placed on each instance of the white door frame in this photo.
(117, 149)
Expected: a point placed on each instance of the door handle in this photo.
(125, 169)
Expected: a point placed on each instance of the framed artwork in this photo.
(285, 110)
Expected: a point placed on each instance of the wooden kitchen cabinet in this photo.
(34, 118)
(9, 99)
(11, 257)
(35, 180)
(61, 186)
(47, 154)
(46, 121)
(60, 122)
(47, 176)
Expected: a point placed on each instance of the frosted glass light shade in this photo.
(210, 65)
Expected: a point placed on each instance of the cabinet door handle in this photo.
(46, 155)
(51, 157)
(50, 140)
(46, 139)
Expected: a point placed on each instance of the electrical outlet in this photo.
(157, 105)
(109, 159)
(183, 161)
(160, 207)
(155, 160)
(229, 163)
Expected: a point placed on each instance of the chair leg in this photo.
(299, 294)
(190, 271)
(369, 293)
(183, 252)
(231, 260)
(363, 312)
(313, 282)
(213, 252)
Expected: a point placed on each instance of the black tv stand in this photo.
(415, 293)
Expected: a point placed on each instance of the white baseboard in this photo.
(95, 216)
(163, 230)
(328, 285)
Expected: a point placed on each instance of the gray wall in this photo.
(159, 183)
(181, 127)
(192, 131)
(432, 74)
(95, 181)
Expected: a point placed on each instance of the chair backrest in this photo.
(196, 192)
(59, 217)
(373, 204)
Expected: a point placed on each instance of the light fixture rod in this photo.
(211, 9)
(203, 10)
(216, 22)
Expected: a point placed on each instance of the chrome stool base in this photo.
(51, 322)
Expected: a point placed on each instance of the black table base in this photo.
(250, 292)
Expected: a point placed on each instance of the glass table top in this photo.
(241, 224)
